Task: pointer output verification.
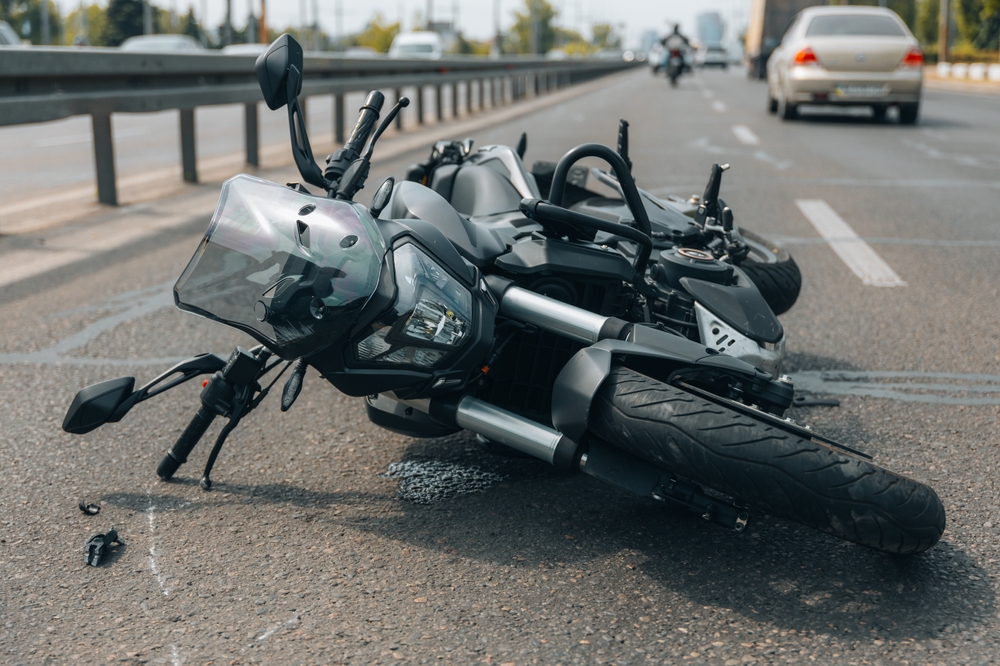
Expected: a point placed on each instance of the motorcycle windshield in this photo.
(291, 269)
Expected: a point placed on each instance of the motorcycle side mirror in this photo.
(522, 145)
(279, 73)
(382, 196)
(274, 67)
(97, 404)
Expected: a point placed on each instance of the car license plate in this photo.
(861, 91)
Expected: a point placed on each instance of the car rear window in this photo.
(854, 24)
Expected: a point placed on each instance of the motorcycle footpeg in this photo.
(691, 496)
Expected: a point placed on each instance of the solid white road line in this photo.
(746, 135)
(854, 252)
(719, 106)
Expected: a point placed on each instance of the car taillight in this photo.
(805, 57)
(913, 58)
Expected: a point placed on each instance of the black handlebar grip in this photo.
(366, 122)
(177, 455)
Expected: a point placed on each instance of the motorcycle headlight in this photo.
(431, 317)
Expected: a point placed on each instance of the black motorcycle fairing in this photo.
(397, 417)
(414, 201)
(660, 354)
(480, 190)
(442, 180)
(557, 256)
(434, 239)
(338, 363)
(740, 305)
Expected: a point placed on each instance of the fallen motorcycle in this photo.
(443, 323)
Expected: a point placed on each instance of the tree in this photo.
(85, 21)
(378, 35)
(927, 22)
(605, 36)
(123, 19)
(542, 14)
(471, 46)
(26, 19)
(189, 25)
(968, 18)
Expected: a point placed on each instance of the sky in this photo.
(475, 17)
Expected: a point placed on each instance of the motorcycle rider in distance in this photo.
(674, 55)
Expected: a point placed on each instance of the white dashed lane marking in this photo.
(746, 135)
(854, 252)
(719, 106)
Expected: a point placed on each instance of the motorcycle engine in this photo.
(673, 307)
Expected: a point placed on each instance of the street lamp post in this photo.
(944, 27)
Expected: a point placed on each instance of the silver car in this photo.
(848, 56)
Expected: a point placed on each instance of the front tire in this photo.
(771, 469)
(773, 270)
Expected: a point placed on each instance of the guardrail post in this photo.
(252, 133)
(188, 160)
(454, 100)
(399, 116)
(482, 94)
(338, 118)
(438, 106)
(104, 159)
(420, 105)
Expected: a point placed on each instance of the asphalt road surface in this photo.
(304, 553)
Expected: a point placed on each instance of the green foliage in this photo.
(605, 36)
(471, 46)
(189, 25)
(544, 15)
(378, 35)
(928, 17)
(123, 19)
(75, 24)
(26, 19)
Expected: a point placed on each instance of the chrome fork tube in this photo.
(552, 315)
(502, 426)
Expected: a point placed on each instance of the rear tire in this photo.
(809, 483)
(772, 104)
(774, 271)
(908, 113)
(785, 110)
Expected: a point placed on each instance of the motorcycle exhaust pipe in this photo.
(501, 426)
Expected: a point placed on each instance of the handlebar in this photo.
(542, 211)
(177, 455)
(367, 118)
(618, 165)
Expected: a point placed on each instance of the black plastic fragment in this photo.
(100, 545)
(90, 509)
(806, 401)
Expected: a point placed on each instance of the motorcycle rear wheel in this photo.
(774, 272)
(771, 469)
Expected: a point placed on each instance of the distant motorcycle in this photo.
(533, 328)
(675, 65)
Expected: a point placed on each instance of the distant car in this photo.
(711, 55)
(847, 56)
(417, 45)
(361, 52)
(610, 54)
(244, 49)
(8, 36)
(162, 43)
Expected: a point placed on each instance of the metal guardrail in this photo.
(44, 84)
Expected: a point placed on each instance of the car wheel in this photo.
(785, 110)
(772, 104)
(878, 112)
(908, 113)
